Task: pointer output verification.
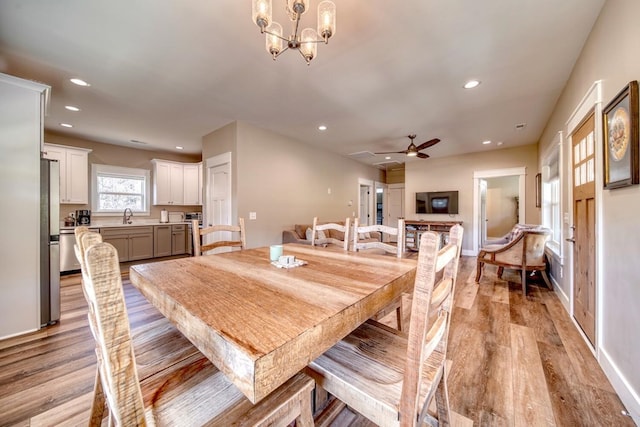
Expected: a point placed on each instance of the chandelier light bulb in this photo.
(274, 39)
(261, 13)
(308, 45)
(326, 19)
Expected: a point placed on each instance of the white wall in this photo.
(285, 181)
(611, 55)
(456, 173)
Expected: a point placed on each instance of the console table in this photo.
(413, 231)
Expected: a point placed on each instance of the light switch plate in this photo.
(252, 215)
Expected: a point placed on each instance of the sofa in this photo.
(299, 234)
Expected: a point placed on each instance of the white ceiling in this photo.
(168, 72)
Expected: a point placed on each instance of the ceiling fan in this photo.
(413, 150)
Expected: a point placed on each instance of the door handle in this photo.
(572, 240)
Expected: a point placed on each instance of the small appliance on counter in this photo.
(176, 216)
(188, 216)
(83, 217)
(69, 221)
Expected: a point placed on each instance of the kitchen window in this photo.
(116, 188)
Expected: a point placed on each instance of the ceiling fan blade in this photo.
(428, 144)
(393, 152)
(422, 156)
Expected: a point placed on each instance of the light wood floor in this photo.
(514, 361)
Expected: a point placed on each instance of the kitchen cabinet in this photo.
(74, 172)
(132, 243)
(169, 240)
(178, 239)
(176, 183)
(192, 183)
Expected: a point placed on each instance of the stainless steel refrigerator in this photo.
(49, 242)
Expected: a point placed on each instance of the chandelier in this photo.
(307, 41)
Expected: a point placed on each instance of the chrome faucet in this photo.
(126, 219)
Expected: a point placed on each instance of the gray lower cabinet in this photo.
(161, 240)
(178, 239)
(132, 243)
(169, 240)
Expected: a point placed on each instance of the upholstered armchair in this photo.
(523, 251)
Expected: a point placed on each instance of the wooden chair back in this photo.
(109, 324)
(326, 229)
(398, 232)
(430, 297)
(199, 248)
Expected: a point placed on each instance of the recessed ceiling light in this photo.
(322, 127)
(79, 82)
(487, 142)
(471, 84)
(71, 108)
(388, 158)
(179, 147)
(66, 125)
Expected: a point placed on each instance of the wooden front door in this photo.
(584, 220)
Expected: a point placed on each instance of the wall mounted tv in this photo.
(445, 202)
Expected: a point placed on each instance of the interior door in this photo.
(219, 204)
(396, 207)
(584, 220)
(365, 202)
(483, 211)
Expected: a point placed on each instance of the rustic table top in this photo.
(260, 324)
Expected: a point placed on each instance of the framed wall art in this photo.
(620, 127)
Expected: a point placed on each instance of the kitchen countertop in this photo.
(120, 224)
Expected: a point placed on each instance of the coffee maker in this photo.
(83, 217)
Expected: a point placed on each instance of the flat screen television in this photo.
(432, 202)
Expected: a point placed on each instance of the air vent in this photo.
(387, 163)
(361, 155)
(136, 141)
(521, 126)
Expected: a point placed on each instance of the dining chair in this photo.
(360, 233)
(362, 241)
(331, 233)
(388, 376)
(192, 392)
(199, 248)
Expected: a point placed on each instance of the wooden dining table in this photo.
(260, 324)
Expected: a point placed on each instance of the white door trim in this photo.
(494, 173)
(368, 183)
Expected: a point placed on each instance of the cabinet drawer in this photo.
(126, 231)
(181, 227)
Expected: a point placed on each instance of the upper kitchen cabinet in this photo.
(74, 172)
(176, 183)
(193, 183)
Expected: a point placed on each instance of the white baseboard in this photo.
(629, 397)
(469, 252)
(564, 298)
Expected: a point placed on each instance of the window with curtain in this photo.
(551, 212)
(116, 188)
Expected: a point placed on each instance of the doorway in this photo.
(502, 205)
(218, 198)
(480, 191)
(366, 201)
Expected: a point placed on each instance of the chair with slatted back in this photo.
(192, 392)
(362, 242)
(199, 248)
(331, 233)
(387, 233)
(391, 377)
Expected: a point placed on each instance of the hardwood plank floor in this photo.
(514, 361)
